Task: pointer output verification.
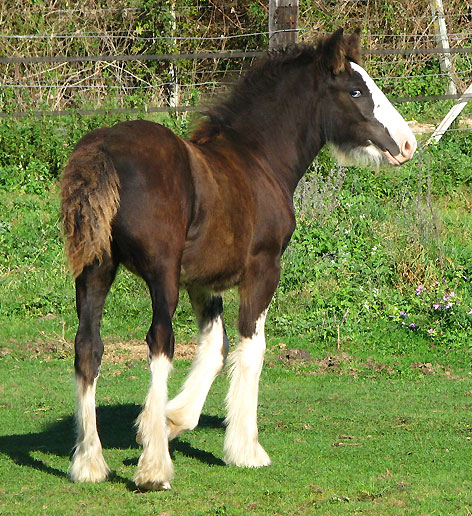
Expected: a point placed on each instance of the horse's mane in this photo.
(250, 90)
(259, 86)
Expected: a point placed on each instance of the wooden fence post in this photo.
(283, 22)
(454, 112)
(443, 42)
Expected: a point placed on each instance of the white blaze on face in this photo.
(391, 119)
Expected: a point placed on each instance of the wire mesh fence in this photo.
(168, 55)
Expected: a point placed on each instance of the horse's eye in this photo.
(356, 94)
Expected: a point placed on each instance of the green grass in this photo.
(377, 422)
(357, 439)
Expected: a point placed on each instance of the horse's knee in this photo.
(161, 340)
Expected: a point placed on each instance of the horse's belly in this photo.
(218, 268)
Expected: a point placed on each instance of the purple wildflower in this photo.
(436, 306)
(430, 331)
(419, 289)
(447, 306)
(402, 314)
(413, 326)
(448, 295)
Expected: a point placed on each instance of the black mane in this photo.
(247, 100)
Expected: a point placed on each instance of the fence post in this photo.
(443, 42)
(454, 112)
(174, 87)
(283, 22)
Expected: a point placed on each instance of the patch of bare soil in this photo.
(136, 350)
(434, 369)
(344, 364)
(294, 354)
(116, 352)
(334, 364)
(422, 128)
(300, 360)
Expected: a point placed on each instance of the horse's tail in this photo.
(90, 199)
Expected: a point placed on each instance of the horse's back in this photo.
(205, 208)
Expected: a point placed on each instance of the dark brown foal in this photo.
(208, 214)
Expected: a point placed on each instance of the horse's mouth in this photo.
(393, 160)
(398, 159)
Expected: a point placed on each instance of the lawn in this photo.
(346, 435)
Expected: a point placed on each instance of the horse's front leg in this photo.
(242, 446)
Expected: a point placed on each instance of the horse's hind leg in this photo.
(92, 286)
(155, 468)
(183, 412)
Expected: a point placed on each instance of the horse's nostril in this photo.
(407, 148)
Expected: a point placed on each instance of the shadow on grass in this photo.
(116, 430)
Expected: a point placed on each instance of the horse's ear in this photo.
(332, 52)
(353, 46)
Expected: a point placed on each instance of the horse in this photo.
(205, 214)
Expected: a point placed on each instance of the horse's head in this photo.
(357, 118)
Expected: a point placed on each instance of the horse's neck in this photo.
(290, 150)
(292, 136)
(279, 126)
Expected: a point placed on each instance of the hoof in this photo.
(92, 470)
(153, 486)
(247, 458)
(153, 475)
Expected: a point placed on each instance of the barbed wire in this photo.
(126, 35)
(121, 9)
(199, 7)
(429, 98)
(40, 85)
(97, 85)
(139, 37)
(143, 109)
(416, 76)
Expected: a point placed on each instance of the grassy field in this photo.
(376, 287)
(346, 436)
